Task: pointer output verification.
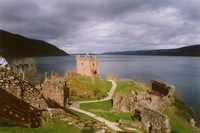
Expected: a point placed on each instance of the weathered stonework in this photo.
(149, 117)
(55, 88)
(162, 87)
(154, 120)
(88, 65)
(13, 84)
(146, 106)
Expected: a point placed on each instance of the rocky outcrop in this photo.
(13, 84)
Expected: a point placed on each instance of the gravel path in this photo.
(112, 125)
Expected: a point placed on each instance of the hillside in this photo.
(184, 51)
(13, 45)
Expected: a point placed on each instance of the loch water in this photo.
(182, 72)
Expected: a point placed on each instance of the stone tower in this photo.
(87, 65)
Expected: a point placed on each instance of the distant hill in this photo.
(13, 45)
(184, 51)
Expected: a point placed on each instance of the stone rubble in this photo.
(148, 104)
(13, 84)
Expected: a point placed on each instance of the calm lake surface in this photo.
(183, 72)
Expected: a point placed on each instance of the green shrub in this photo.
(183, 110)
(177, 124)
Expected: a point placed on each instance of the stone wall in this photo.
(150, 118)
(162, 87)
(121, 103)
(153, 120)
(13, 84)
(53, 88)
(88, 65)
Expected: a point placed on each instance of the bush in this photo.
(183, 110)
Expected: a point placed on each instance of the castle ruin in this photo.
(87, 65)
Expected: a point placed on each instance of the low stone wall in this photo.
(13, 84)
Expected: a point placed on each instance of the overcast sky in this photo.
(97, 26)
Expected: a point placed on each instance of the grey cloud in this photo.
(104, 25)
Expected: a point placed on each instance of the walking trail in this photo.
(112, 125)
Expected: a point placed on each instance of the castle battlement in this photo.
(87, 65)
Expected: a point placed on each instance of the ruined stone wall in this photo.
(87, 66)
(53, 88)
(158, 121)
(13, 84)
(162, 87)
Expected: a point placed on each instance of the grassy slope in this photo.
(81, 115)
(105, 106)
(58, 127)
(126, 86)
(114, 117)
(177, 124)
(87, 88)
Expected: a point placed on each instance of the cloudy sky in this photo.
(78, 26)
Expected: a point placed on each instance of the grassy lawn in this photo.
(114, 117)
(87, 88)
(177, 124)
(58, 127)
(104, 105)
(81, 115)
(126, 86)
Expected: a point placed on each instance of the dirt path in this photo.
(112, 125)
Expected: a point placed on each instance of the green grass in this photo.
(128, 131)
(81, 115)
(58, 127)
(183, 110)
(104, 105)
(114, 117)
(125, 87)
(87, 88)
(177, 124)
